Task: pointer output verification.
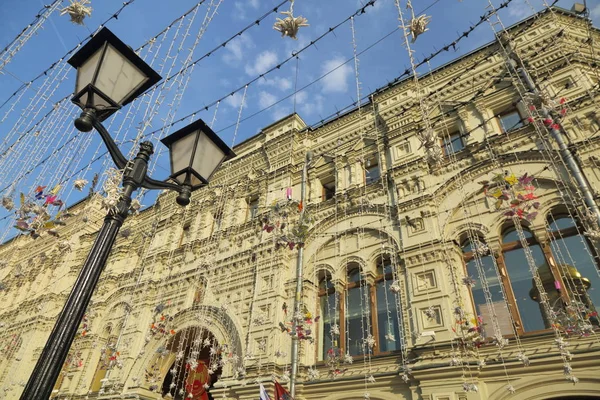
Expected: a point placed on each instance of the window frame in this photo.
(328, 189)
(341, 311)
(447, 140)
(504, 274)
(252, 205)
(509, 111)
(374, 165)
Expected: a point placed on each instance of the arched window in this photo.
(388, 312)
(576, 261)
(357, 313)
(482, 267)
(330, 317)
(514, 261)
(565, 265)
(363, 311)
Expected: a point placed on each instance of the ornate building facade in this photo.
(443, 258)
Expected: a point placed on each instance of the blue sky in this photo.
(249, 55)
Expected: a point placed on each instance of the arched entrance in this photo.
(190, 360)
(574, 398)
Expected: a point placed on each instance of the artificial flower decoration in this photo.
(429, 141)
(289, 25)
(8, 203)
(513, 195)
(418, 26)
(77, 10)
(79, 184)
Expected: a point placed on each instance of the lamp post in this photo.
(110, 75)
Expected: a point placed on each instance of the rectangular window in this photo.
(185, 234)
(217, 220)
(453, 143)
(510, 120)
(328, 189)
(252, 208)
(593, 121)
(372, 171)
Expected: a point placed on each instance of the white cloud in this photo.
(379, 4)
(293, 46)
(266, 99)
(236, 49)
(279, 83)
(235, 100)
(280, 113)
(520, 10)
(240, 8)
(240, 11)
(336, 81)
(595, 12)
(301, 97)
(264, 61)
(310, 106)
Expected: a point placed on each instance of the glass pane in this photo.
(118, 77)
(325, 282)
(181, 153)
(558, 223)
(510, 121)
(512, 235)
(453, 143)
(574, 251)
(387, 317)
(330, 317)
(357, 320)
(467, 246)
(208, 157)
(522, 282)
(499, 306)
(353, 274)
(385, 267)
(85, 73)
(372, 174)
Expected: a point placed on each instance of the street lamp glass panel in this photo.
(86, 72)
(118, 77)
(196, 153)
(109, 74)
(182, 152)
(208, 156)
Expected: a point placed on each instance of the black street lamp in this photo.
(110, 75)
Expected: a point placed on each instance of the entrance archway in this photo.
(574, 398)
(189, 363)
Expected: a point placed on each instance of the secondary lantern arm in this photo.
(113, 149)
(146, 182)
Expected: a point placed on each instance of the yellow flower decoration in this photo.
(511, 180)
(497, 193)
